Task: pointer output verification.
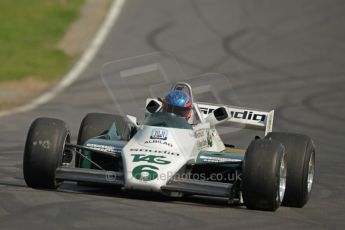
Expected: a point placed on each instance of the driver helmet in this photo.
(179, 103)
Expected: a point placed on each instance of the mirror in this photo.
(220, 114)
(153, 105)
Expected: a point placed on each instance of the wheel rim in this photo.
(311, 168)
(282, 179)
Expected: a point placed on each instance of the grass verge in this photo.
(29, 33)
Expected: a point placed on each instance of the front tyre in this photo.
(44, 151)
(300, 152)
(264, 175)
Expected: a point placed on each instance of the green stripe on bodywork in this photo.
(111, 135)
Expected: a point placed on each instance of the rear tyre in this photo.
(263, 175)
(96, 124)
(44, 151)
(300, 152)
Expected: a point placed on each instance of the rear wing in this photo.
(250, 118)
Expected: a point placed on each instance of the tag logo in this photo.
(150, 159)
(160, 134)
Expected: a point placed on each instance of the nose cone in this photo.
(152, 157)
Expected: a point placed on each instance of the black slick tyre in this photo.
(300, 152)
(263, 175)
(44, 151)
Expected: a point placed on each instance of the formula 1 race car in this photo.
(171, 155)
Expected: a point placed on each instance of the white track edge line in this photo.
(79, 67)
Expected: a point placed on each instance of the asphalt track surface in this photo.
(287, 55)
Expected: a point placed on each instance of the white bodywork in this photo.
(163, 151)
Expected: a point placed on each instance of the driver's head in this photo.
(179, 103)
